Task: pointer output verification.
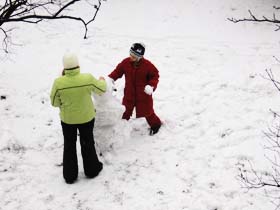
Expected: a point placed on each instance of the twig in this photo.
(276, 59)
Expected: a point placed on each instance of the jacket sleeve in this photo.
(117, 72)
(153, 76)
(99, 86)
(55, 100)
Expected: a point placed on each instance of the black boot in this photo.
(95, 173)
(154, 130)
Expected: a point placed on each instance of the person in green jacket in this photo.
(72, 93)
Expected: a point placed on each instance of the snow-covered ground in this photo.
(212, 98)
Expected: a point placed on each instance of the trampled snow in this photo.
(212, 97)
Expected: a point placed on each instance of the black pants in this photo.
(92, 166)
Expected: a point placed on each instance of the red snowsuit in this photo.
(137, 76)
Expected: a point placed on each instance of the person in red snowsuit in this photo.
(141, 80)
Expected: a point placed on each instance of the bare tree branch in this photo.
(33, 12)
(253, 18)
(251, 178)
(5, 40)
(269, 181)
(271, 78)
(277, 59)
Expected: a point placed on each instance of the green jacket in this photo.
(72, 94)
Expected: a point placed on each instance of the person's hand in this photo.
(110, 84)
(149, 89)
(101, 78)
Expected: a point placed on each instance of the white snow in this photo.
(212, 98)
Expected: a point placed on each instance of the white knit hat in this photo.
(70, 60)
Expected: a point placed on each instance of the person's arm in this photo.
(117, 72)
(99, 85)
(153, 77)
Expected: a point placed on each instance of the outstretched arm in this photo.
(117, 73)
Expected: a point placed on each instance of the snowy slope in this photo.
(211, 96)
